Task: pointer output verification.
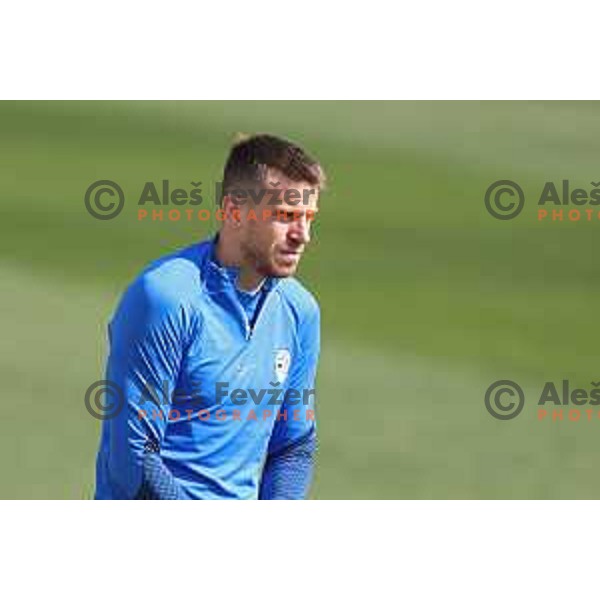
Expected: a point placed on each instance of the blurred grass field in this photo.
(426, 299)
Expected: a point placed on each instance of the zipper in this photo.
(231, 296)
(261, 308)
(241, 313)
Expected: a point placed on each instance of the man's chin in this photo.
(281, 271)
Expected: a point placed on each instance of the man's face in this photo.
(274, 243)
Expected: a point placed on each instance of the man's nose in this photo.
(300, 231)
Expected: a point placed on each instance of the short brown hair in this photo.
(252, 155)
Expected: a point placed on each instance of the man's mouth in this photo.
(291, 252)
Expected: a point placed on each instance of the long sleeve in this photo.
(289, 464)
(287, 475)
(147, 338)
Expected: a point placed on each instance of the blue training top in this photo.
(208, 391)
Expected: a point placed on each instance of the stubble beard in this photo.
(264, 261)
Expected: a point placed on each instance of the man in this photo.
(215, 348)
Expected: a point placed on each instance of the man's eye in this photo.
(285, 217)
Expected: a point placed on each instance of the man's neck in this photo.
(249, 280)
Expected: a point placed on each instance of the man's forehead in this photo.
(274, 178)
(291, 192)
(276, 188)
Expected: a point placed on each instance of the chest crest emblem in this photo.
(282, 364)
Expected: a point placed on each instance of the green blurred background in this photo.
(426, 300)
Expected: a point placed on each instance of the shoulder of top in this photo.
(298, 297)
(173, 277)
